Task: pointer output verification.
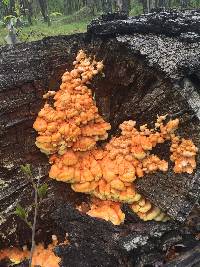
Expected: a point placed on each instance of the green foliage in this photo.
(8, 18)
(55, 14)
(56, 5)
(80, 16)
(40, 30)
(26, 35)
(14, 19)
(17, 8)
(5, 2)
(26, 169)
(136, 8)
(42, 190)
(195, 3)
(21, 212)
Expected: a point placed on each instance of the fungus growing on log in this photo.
(70, 130)
(42, 256)
(74, 120)
(107, 210)
(183, 155)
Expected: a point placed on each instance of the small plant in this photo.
(40, 192)
(17, 21)
(55, 14)
(28, 36)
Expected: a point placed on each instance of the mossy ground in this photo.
(60, 25)
(39, 29)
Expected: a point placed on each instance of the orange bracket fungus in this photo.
(42, 256)
(68, 131)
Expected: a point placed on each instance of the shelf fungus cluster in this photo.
(107, 210)
(42, 256)
(70, 129)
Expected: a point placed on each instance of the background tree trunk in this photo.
(91, 6)
(126, 6)
(107, 6)
(30, 10)
(44, 11)
(12, 7)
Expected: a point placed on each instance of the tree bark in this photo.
(126, 6)
(30, 11)
(143, 79)
(12, 7)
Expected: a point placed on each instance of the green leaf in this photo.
(55, 14)
(42, 190)
(28, 223)
(26, 169)
(8, 18)
(5, 2)
(20, 211)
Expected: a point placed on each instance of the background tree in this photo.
(123, 6)
(44, 11)
(33, 8)
(28, 4)
(69, 16)
(106, 6)
(91, 6)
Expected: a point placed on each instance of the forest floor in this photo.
(60, 25)
(39, 29)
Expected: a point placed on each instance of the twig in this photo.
(35, 215)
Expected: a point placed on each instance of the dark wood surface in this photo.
(142, 79)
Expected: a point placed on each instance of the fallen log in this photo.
(146, 73)
(188, 259)
(184, 25)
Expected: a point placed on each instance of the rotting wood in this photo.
(141, 80)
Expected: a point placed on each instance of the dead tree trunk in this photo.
(143, 78)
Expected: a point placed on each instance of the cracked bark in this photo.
(143, 78)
